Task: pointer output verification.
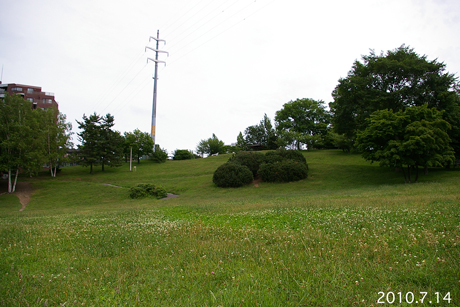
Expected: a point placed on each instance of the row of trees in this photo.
(30, 138)
(398, 88)
(300, 122)
(101, 145)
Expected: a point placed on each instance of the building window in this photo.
(17, 89)
(30, 99)
(47, 100)
(30, 90)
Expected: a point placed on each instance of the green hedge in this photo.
(232, 175)
(147, 190)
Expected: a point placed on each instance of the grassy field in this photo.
(351, 234)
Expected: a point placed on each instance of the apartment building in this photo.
(31, 93)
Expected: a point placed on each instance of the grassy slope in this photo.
(337, 238)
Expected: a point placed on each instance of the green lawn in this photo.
(338, 238)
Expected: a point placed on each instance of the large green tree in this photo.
(29, 138)
(99, 143)
(16, 134)
(140, 142)
(399, 79)
(210, 146)
(110, 143)
(302, 121)
(413, 138)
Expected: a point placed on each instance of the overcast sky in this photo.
(230, 61)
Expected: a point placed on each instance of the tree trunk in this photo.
(426, 170)
(15, 180)
(9, 181)
(416, 173)
(91, 168)
(404, 173)
(408, 173)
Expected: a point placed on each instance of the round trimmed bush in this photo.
(295, 155)
(250, 159)
(284, 171)
(273, 157)
(182, 154)
(232, 175)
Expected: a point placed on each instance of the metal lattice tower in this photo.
(155, 78)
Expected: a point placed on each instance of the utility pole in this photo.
(155, 78)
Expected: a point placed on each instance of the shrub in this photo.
(159, 156)
(284, 171)
(232, 175)
(252, 160)
(273, 156)
(183, 154)
(147, 190)
(295, 155)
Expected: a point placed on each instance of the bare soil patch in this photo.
(256, 182)
(23, 191)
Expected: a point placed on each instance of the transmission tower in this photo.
(155, 78)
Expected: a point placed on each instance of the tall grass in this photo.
(338, 238)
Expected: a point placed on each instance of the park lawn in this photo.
(338, 238)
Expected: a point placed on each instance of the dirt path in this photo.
(23, 191)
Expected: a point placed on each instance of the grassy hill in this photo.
(338, 238)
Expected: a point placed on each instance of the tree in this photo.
(144, 144)
(129, 145)
(140, 142)
(302, 122)
(241, 142)
(414, 137)
(395, 81)
(263, 135)
(210, 146)
(57, 134)
(16, 135)
(89, 138)
(99, 143)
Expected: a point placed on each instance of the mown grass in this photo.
(338, 238)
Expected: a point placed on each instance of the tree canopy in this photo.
(29, 138)
(414, 137)
(140, 142)
(302, 121)
(263, 135)
(99, 143)
(395, 81)
(210, 146)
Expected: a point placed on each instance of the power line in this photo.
(190, 29)
(220, 33)
(164, 28)
(125, 87)
(116, 81)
